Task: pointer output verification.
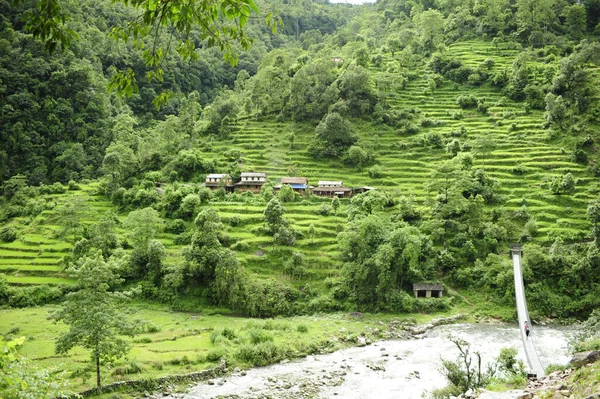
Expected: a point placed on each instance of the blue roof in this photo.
(299, 186)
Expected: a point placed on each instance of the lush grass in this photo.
(182, 341)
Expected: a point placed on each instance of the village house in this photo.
(428, 290)
(216, 180)
(251, 181)
(332, 189)
(298, 184)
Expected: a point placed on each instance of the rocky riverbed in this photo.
(408, 368)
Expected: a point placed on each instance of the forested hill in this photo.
(476, 122)
(57, 115)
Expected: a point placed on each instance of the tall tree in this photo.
(93, 313)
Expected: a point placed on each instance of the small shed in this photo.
(428, 290)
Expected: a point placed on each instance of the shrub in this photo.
(284, 236)
(259, 335)
(73, 185)
(234, 220)
(375, 172)
(466, 101)
(8, 234)
(132, 368)
(176, 226)
(325, 210)
(519, 170)
(216, 354)
(241, 246)
(302, 328)
(261, 354)
(226, 332)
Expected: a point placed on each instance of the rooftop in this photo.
(330, 183)
(432, 287)
(217, 176)
(294, 180)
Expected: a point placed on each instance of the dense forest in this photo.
(476, 121)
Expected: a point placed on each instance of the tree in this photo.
(366, 203)
(356, 90)
(211, 265)
(103, 235)
(430, 25)
(556, 111)
(575, 20)
(593, 215)
(93, 313)
(193, 24)
(335, 204)
(534, 16)
(312, 92)
(382, 260)
(274, 215)
(286, 193)
(333, 136)
(312, 232)
(73, 214)
(142, 226)
(20, 380)
(466, 372)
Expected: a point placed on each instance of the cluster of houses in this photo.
(253, 181)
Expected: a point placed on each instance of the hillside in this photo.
(472, 140)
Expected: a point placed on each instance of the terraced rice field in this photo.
(518, 139)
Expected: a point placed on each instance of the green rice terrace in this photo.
(521, 156)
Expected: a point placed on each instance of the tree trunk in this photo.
(98, 367)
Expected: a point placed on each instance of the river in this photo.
(406, 369)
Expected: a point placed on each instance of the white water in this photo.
(410, 369)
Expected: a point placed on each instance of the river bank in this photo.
(407, 368)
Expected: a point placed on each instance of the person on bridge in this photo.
(527, 329)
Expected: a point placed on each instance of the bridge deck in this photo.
(528, 343)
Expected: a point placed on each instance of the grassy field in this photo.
(177, 343)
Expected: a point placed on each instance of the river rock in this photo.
(361, 341)
(583, 358)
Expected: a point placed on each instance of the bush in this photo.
(261, 354)
(216, 354)
(241, 246)
(21, 297)
(284, 236)
(8, 234)
(226, 332)
(466, 101)
(325, 210)
(234, 220)
(176, 226)
(302, 328)
(73, 186)
(375, 172)
(259, 335)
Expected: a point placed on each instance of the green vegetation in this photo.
(476, 123)
(168, 342)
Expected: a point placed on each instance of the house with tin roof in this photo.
(216, 180)
(329, 188)
(298, 184)
(251, 181)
